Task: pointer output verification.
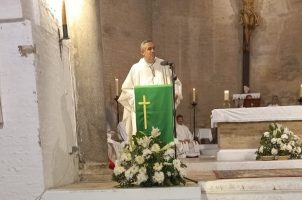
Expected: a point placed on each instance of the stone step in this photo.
(200, 164)
(95, 172)
(153, 193)
(94, 166)
(96, 183)
(252, 189)
(281, 188)
(96, 177)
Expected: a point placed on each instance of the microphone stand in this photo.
(300, 100)
(117, 110)
(194, 120)
(173, 78)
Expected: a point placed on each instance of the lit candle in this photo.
(194, 95)
(226, 95)
(301, 91)
(116, 86)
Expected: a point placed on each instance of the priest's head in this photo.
(148, 51)
(179, 119)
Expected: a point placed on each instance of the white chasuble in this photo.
(143, 73)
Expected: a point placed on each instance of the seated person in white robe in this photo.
(122, 131)
(187, 147)
(148, 71)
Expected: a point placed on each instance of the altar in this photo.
(239, 129)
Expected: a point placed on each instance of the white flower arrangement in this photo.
(279, 141)
(147, 162)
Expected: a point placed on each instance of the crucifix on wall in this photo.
(249, 19)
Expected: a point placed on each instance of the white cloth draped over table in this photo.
(243, 96)
(205, 133)
(256, 114)
(143, 73)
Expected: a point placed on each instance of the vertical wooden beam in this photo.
(245, 69)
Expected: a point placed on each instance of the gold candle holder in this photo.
(300, 100)
(226, 104)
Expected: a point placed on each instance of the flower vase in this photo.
(282, 158)
(266, 158)
(226, 104)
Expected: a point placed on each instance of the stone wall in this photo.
(276, 63)
(124, 24)
(201, 38)
(204, 40)
(85, 34)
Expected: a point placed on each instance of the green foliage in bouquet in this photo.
(147, 162)
(279, 141)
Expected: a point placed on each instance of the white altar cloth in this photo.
(256, 114)
(205, 133)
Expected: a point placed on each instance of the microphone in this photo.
(166, 63)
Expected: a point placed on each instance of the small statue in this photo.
(275, 101)
(249, 20)
(246, 89)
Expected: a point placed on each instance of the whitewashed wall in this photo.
(37, 101)
(56, 97)
(21, 166)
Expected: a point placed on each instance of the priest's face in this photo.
(180, 120)
(148, 51)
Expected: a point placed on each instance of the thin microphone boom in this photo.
(166, 63)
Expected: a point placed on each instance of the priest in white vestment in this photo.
(187, 147)
(148, 71)
(183, 132)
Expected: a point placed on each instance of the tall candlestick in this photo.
(116, 86)
(226, 95)
(64, 21)
(194, 95)
(301, 90)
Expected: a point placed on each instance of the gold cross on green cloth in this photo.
(144, 103)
